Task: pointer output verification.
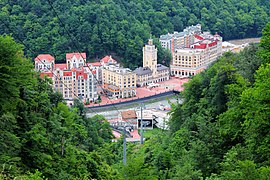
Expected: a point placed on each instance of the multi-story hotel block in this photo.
(180, 39)
(73, 79)
(151, 72)
(118, 82)
(192, 51)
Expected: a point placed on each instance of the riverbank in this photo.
(136, 102)
(165, 89)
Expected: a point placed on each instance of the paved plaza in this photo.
(172, 84)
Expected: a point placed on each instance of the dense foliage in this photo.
(39, 134)
(222, 128)
(121, 27)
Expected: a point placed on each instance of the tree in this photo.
(16, 73)
(265, 44)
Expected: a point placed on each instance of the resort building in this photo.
(118, 82)
(151, 72)
(73, 79)
(180, 39)
(44, 62)
(192, 51)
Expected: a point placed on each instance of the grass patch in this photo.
(151, 132)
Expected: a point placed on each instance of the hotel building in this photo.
(192, 51)
(73, 79)
(151, 72)
(118, 82)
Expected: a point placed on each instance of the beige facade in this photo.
(119, 82)
(190, 61)
(150, 57)
(187, 62)
(192, 50)
(151, 72)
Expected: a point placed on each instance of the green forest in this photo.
(220, 131)
(121, 27)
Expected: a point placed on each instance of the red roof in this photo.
(73, 69)
(79, 72)
(200, 46)
(94, 72)
(106, 59)
(60, 66)
(67, 73)
(49, 74)
(47, 57)
(77, 55)
(129, 114)
(94, 64)
(198, 37)
(212, 44)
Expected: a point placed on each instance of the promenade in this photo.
(174, 84)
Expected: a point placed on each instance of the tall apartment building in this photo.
(180, 39)
(118, 82)
(73, 79)
(151, 72)
(192, 50)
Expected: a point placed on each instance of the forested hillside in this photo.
(40, 136)
(122, 27)
(222, 129)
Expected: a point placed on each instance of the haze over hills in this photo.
(122, 27)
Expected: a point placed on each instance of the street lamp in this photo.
(125, 147)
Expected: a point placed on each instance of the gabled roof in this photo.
(47, 57)
(77, 55)
(107, 59)
(94, 64)
(60, 66)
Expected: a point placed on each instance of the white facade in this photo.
(72, 79)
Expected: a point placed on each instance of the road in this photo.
(112, 114)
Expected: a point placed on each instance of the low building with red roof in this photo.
(108, 60)
(129, 116)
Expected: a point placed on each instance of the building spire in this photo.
(150, 40)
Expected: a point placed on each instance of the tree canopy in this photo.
(220, 131)
(121, 27)
(40, 136)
